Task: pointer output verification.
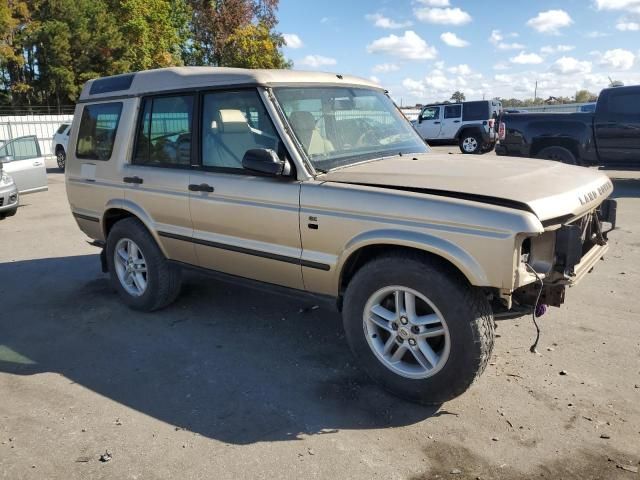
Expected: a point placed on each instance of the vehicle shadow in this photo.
(626, 188)
(230, 362)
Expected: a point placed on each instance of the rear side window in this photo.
(625, 103)
(475, 111)
(97, 131)
(164, 131)
(452, 111)
(62, 128)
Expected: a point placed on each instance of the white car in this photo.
(22, 159)
(8, 195)
(59, 144)
(472, 124)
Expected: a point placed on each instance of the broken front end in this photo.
(563, 255)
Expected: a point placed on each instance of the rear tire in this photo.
(457, 355)
(143, 277)
(470, 143)
(61, 158)
(557, 154)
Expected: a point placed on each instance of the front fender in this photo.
(461, 259)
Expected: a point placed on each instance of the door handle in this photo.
(136, 180)
(436, 123)
(456, 121)
(37, 164)
(203, 187)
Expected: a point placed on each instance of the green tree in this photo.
(254, 46)
(585, 96)
(220, 27)
(458, 97)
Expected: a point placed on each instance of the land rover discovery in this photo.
(316, 182)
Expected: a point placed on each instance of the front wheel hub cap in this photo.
(417, 349)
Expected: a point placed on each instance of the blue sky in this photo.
(424, 50)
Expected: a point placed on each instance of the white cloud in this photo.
(550, 49)
(569, 65)
(618, 59)
(374, 79)
(443, 16)
(381, 21)
(463, 69)
(453, 40)
(385, 68)
(597, 34)
(550, 21)
(501, 66)
(438, 86)
(497, 38)
(625, 26)
(627, 5)
(524, 58)
(315, 61)
(292, 40)
(410, 46)
(435, 3)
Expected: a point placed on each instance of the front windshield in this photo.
(338, 126)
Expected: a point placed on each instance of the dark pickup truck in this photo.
(608, 137)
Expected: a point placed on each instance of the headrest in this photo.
(233, 121)
(303, 121)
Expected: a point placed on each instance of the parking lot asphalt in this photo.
(236, 381)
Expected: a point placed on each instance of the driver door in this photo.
(430, 123)
(22, 160)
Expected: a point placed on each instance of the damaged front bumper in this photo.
(563, 256)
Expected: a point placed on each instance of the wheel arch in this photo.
(372, 244)
(120, 209)
(570, 144)
(476, 128)
(59, 146)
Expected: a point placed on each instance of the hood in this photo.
(548, 189)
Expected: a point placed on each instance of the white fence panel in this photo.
(42, 126)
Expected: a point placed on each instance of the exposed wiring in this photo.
(534, 347)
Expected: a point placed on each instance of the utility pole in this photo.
(535, 93)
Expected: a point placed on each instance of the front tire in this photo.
(417, 328)
(470, 143)
(139, 272)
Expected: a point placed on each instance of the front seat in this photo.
(233, 139)
(304, 124)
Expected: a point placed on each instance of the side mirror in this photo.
(265, 161)
(6, 159)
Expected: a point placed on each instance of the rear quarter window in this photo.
(475, 111)
(62, 128)
(97, 131)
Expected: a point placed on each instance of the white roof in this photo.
(178, 78)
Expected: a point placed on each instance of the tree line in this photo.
(50, 48)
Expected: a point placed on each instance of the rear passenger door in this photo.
(244, 224)
(617, 126)
(21, 158)
(451, 121)
(157, 179)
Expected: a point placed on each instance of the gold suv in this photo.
(317, 182)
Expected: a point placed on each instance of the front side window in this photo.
(97, 131)
(431, 113)
(338, 126)
(453, 111)
(23, 148)
(625, 103)
(164, 131)
(232, 123)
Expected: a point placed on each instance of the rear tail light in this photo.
(492, 123)
(502, 131)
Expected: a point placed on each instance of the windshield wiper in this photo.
(320, 170)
